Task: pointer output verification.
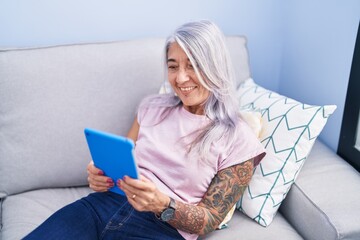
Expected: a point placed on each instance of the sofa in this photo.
(48, 95)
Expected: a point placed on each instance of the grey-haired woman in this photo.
(195, 154)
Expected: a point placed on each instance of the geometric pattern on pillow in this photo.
(289, 130)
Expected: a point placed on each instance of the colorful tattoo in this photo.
(224, 191)
(188, 218)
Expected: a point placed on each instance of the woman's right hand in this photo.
(97, 181)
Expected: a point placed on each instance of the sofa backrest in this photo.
(49, 95)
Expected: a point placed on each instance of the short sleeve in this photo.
(150, 115)
(141, 114)
(246, 146)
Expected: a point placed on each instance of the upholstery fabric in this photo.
(311, 204)
(241, 227)
(24, 212)
(49, 95)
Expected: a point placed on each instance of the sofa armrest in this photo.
(324, 203)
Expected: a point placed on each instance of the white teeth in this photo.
(186, 89)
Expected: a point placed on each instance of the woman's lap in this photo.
(103, 216)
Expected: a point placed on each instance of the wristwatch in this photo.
(168, 213)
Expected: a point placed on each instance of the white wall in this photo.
(319, 38)
(51, 22)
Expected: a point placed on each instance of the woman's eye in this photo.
(171, 67)
(190, 67)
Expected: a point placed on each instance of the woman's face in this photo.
(183, 80)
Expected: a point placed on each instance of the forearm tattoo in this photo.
(224, 191)
(188, 218)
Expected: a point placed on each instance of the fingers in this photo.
(144, 183)
(127, 186)
(97, 181)
(132, 186)
(100, 183)
(144, 179)
(141, 193)
(94, 170)
(136, 198)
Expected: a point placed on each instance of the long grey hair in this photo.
(205, 46)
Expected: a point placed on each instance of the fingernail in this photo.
(109, 180)
(101, 172)
(111, 184)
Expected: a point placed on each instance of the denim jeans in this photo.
(103, 216)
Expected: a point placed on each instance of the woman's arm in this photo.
(134, 130)
(224, 191)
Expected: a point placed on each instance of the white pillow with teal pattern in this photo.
(289, 130)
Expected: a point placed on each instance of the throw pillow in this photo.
(288, 132)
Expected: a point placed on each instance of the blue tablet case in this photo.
(112, 154)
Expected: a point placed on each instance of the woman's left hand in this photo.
(143, 195)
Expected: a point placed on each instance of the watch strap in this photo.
(171, 207)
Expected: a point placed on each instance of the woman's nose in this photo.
(182, 76)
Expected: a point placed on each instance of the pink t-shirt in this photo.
(162, 153)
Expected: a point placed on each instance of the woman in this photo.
(195, 154)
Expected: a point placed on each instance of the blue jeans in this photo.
(103, 216)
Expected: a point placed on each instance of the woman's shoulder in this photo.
(152, 109)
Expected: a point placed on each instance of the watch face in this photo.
(167, 214)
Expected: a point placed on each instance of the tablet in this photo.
(113, 155)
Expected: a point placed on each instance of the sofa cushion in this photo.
(49, 95)
(25, 211)
(325, 197)
(289, 130)
(242, 227)
(239, 56)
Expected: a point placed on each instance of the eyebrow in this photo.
(173, 60)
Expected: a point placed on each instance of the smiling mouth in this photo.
(186, 89)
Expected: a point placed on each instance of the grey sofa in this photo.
(49, 95)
